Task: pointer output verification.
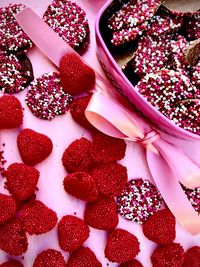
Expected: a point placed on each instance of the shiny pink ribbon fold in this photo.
(167, 163)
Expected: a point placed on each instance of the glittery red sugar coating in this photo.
(81, 185)
(75, 76)
(133, 263)
(193, 196)
(13, 239)
(107, 149)
(77, 157)
(110, 178)
(7, 208)
(11, 112)
(72, 233)
(168, 255)
(83, 257)
(46, 98)
(192, 257)
(21, 180)
(15, 75)
(69, 21)
(131, 20)
(102, 214)
(12, 37)
(12, 263)
(193, 26)
(160, 227)
(77, 110)
(34, 147)
(121, 246)
(139, 200)
(38, 219)
(49, 258)
(152, 54)
(162, 23)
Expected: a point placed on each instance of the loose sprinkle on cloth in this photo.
(12, 37)
(69, 21)
(139, 200)
(15, 72)
(46, 98)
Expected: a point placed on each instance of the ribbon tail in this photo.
(43, 36)
(172, 193)
(188, 172)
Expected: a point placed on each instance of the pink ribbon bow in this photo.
(167, 163)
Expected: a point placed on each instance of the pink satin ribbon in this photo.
(167, 163)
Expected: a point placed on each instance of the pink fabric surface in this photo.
(63, 130)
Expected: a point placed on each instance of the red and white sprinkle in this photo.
(194, 197)
(12, 37)
(139, 200)
(193, 26)
(46, 98)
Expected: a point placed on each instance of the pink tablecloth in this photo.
(62, 130)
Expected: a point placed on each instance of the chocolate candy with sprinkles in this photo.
(12, 37)
(165, 88)
(139, 200)
(46, 98)
(193, 26)
(152, 54)
(163, 23)
(131, 20)
(15, 72)
(186, 115)
(193, 196)
(69, 21)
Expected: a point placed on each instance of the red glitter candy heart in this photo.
(121, 246)
(12, 263)
(83, 257)
(110, 178)
(192, 257)
(81, 185)
(37, 218)
(77, 110)
(12, 37)
(102, 214)
(69, 21)
(77, 156)
(21, 180)
(34, 147)
(13, 238)
(168, 255)
(139, 200)
(160, 227)
(11, 112)
(46, 98)
(107, 149)
(133, 263)
(72, 233)
(49, 258)
(75, 76)
(7, 207)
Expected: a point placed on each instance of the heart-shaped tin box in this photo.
(113, 58)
